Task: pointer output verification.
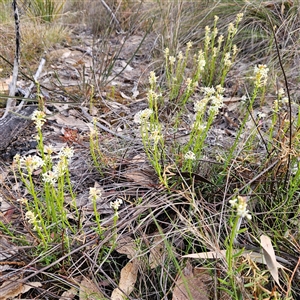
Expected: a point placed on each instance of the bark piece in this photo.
(14, 124)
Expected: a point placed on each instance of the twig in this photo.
(90, 118)
(289, 100)
(11, 102)
(35, 78)
(112, 15)
(292, 277)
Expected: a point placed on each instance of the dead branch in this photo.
(11, 102)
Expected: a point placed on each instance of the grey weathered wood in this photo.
(13, 124)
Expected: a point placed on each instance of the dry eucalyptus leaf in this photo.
(69, 121)
(6, 249)
(270, 257)
(206, 255)
(156, 256)
(195, 284)
(138, 176)
(89, 291)
(69, 294)
(127, 281)
(12, 288)
(126, 245)
(255, 256)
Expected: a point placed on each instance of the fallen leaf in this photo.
(69, 121)
(127, 281)
(89, 291)
(269, 255)
(69, 294)
(124, 96)
(12, 288)
(255, 256)
(139, 176)
(6, 249)
(156, 256)
(193, 284)
(126, 245)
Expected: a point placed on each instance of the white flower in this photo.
(240, 203)
(116, 204)
(199, 126)
(217, 101)
(60, 168)
(200, 61)
(233, 202)
(227, 60)
(190, 155)
(234, 50)
(244, 98)
(214, 52)
(213, 110)
(180, 55)
(22, 200)
(142, 116)
(207, 36)
(30, 216)
(49, 149)
(32, 219)
(155, 135)
(231, 28)
(295, 168)
(17, 158)
(167, 52)
(31, 163)
(172, 60)
(220, 40)
(190, 85)
(215, 31)
(208, 91)
(95, 193)
(39, 118)
(200, 105)
(66, 152)
(280, 93)
(276, 105)
(261, 115)
(189, 45)
(239, 18)
(261, 75)
(152, 78)
(50, 177)
(152, 96)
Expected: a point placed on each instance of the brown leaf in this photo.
(69, 294)
(139, 176)
(156, 256)
(89, 291)
(12, 288)
(126, 245)
(69, 121)
(127, 281)
(194, 284)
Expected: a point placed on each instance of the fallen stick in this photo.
(11, 102)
